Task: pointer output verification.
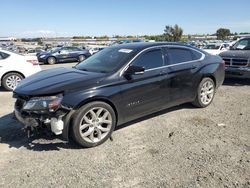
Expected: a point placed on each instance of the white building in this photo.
(7, 39)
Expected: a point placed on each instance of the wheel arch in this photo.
(96, 99)
(69, 118)
(209, 76)
(11, 72)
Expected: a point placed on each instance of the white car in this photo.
(93, 51)
(15, 67)
(216, 48)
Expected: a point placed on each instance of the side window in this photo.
(76, 49)
(179, 55)
(150, 60)
(196, 55)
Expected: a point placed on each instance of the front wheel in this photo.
(93, 124)
(10, 80)
(81, 58)
(51, 60)
(205, 93)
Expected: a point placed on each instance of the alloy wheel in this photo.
(207, 92)
(95, 125)
(12, 81)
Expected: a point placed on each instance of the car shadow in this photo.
(236, 82)
(175, 108)
(3, 90)
(12, 133)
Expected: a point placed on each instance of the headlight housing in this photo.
(42, 56)
(46, 103)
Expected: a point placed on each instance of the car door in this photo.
(144, 93)
(63, 54)
(183, 65)
(74, 53)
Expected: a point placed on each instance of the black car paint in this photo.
(130, 98)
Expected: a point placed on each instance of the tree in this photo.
(173, 33)
(222, 33)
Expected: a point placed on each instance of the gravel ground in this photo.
(179, 147)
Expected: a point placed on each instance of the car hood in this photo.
(245, 54)
(57, 80)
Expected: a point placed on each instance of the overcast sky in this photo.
(54, 18)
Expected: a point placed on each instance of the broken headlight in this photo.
(46, 103)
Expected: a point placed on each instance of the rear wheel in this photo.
(81, 58)
(10, 80)
(93, 124)
(205, 93)
(51, 60)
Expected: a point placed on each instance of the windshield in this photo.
(53, 50)
(243, 44)
(107, 60)
(212, 47)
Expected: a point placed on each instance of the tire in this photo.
(51, 60)
(81, 58)
(205, 93)
(91, 130)
(10, 80)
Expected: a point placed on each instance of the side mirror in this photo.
(230, 47)
(133, 70)
(59, 51)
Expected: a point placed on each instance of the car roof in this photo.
(143, 45)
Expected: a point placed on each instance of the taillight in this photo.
(33, 62)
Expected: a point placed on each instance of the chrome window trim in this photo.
(161, 46)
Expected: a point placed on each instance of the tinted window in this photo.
(3, 55)
(196, 55)
(179, 55)
(150, 60)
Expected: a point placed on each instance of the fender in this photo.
(215, 71)
(68, 117)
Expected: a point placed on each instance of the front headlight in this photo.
(47, 103)
(42, 56)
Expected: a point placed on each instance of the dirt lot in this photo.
(179, 147)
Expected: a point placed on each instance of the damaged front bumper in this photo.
(56, 121)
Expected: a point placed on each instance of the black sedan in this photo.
(63, 54)
(117, 85)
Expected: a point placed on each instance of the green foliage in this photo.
(222, 33)
(172, 33)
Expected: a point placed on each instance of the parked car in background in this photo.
(63, 54)
(126, 41)
(117, 85)
(95, 50)
(34, 51)
(15, 67)
(237, 59)
(216, 48)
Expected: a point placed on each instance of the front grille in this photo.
(235, 62)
